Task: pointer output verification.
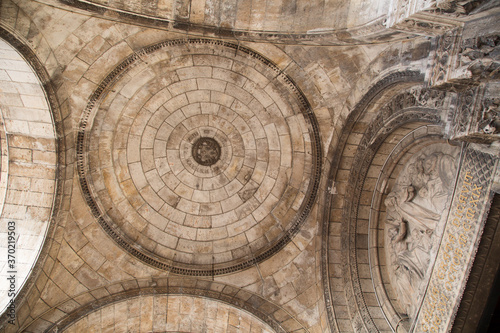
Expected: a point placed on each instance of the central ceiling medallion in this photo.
(201, 160)
(206, 151)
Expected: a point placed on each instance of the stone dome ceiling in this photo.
(202, 156)
(238, 155)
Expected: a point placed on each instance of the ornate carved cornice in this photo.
(476, 117)
(459, 63)
(424, 17)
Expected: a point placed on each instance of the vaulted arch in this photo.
(30, 187)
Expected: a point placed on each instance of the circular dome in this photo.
(203, 157)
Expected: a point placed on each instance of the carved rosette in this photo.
(206, 151)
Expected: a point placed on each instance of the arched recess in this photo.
(397, 110)
(169, 313)
(30, 190)
(269, 315)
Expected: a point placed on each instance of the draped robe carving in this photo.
(416, 207)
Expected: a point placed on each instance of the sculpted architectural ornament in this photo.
(414, 97)
(462, 62)
(416, 209)
(206, 151)
(479, 58)
(430, 17)
(459, 242)
(477, 116)
(456, 8)
(444, 58)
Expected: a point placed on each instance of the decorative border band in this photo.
(368, 33)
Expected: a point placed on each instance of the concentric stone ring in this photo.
(215, 157)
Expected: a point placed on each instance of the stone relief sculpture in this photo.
(416, 207)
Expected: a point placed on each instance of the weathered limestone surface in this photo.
(276, 232)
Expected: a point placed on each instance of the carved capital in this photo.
(477, 115)
(464, 62)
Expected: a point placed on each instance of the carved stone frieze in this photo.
(464, 62)
(429, 17)
(423, 17)
(462, 118)
(444, 58)
(459, 242)
(415, 97)
(477, 116)
(415, 214)
(455, 8)
(479, 58)
(421, 25)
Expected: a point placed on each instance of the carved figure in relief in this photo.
(414, 209)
